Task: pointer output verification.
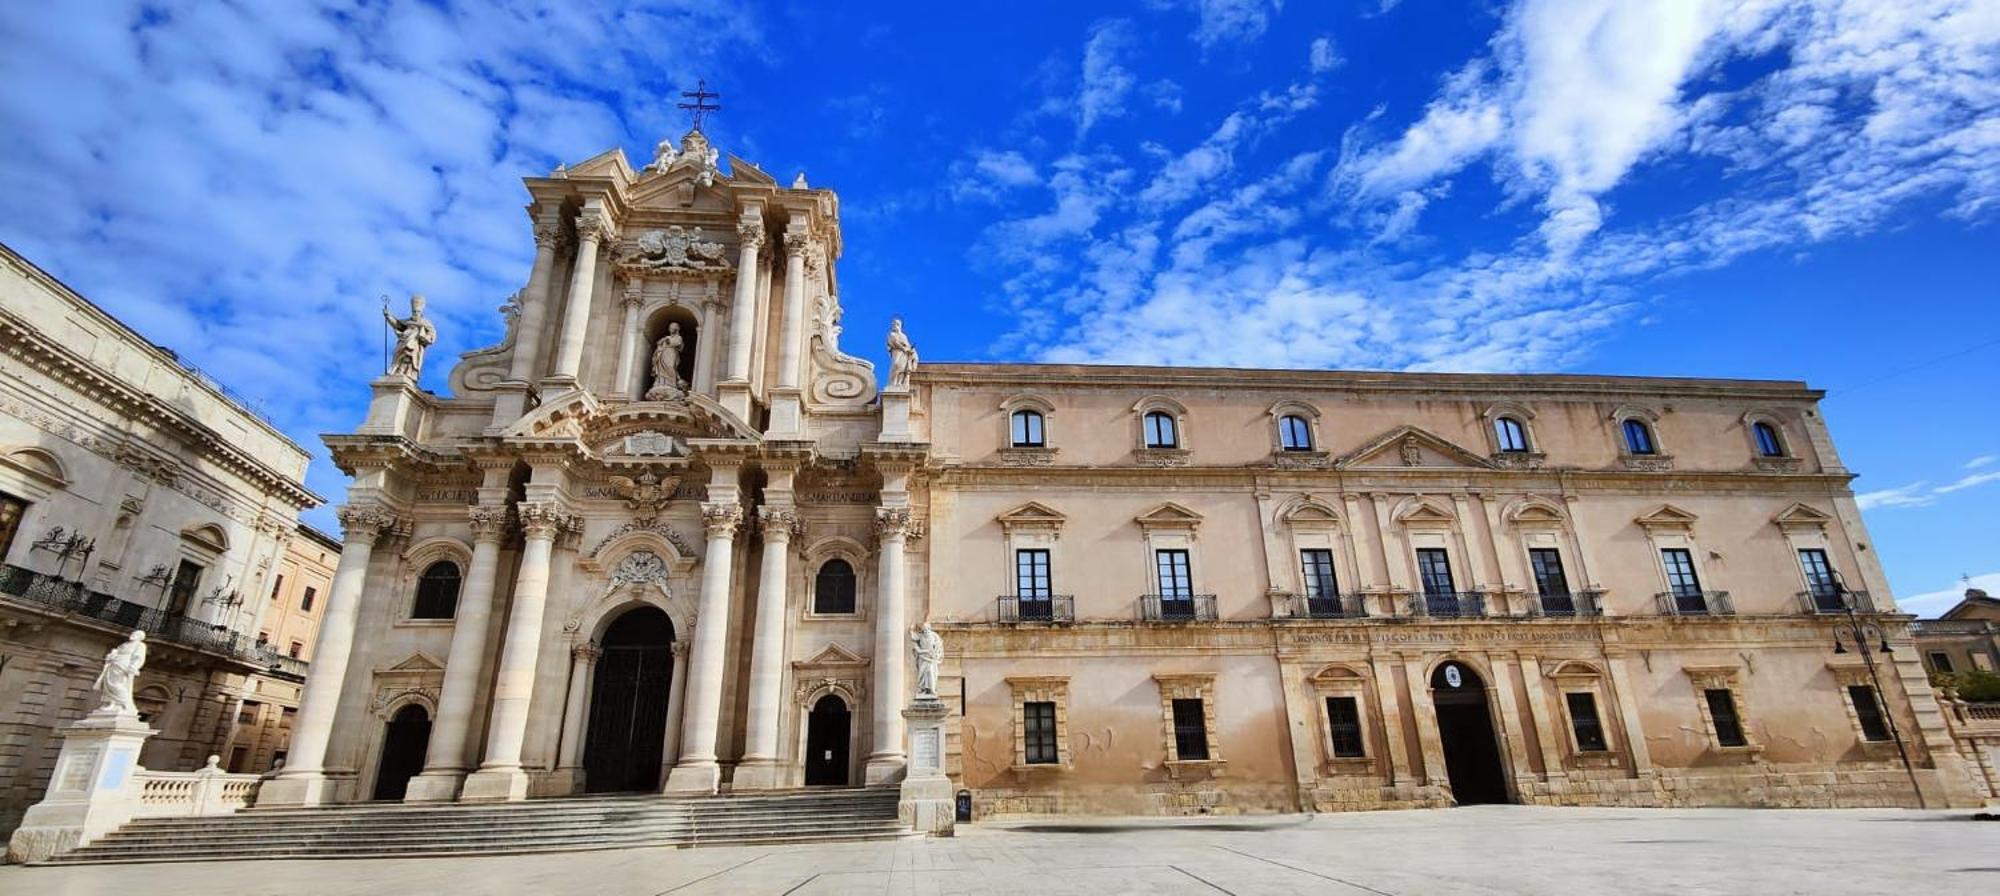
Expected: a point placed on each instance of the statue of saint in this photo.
(667, 382)
(121, 669)
(902, 356)
(414, 334)
(930, 652)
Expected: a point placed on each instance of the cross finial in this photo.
(701, 105)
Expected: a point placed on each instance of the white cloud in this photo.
(1931, 604)
(1981, 461)
(1912, 495)
(1966, 482)
(1105, 82)
(1323, 57)
(1234, 21)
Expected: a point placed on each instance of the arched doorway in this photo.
(1465, 726)
(628, 703)
(827, 730)
(406, 738)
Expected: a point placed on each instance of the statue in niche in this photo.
(902, 356)
(929, 649)
(121, 669)
(667, 382)
(414, 335)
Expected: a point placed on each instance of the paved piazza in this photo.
(1495, 849)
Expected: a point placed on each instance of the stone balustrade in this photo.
(210, 791)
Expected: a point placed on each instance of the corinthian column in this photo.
(697, 771)
(759, 768)
(513, 398)
(785, 399)
(303, 782)
(500, 777)
(582, 662)
(593, 228)
(750, 233)
(464, 665)
(891, 643)
(628, 349)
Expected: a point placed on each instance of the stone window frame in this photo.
(1343, 680)
(1031, 526)
(1539, 522)
(1847, 675)
(1427, 522)
(1190, 686)
(1183, 435)
(1804, 528)
(409, 577)
(1578, 677)
(1171, 526)
(1672, 527)
(833, 547)
(1027, 455)
(1489, 418)
(1293, 407)
(1039, 689)
(1730, 678)
(1660, 459)
(1310, 523)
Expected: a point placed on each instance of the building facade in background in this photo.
(1965, 638)
(134, 493)
(667, 536)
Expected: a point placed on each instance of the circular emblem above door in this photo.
(1451, 676)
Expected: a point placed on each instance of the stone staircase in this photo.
(554, 825)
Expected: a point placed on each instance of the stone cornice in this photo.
(353, 452)
(1513, 386)
(1431, 479)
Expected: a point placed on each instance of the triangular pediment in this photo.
(832, 657)
(1031, 514)
(1667, 517)
(610, 163)
(1423, 510)
(418, 662)
(1801, 516)
(747, 172)
(1169, 515)
(1410, 447)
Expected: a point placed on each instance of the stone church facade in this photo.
(668, 536)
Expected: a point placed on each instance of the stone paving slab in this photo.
(1482, 850)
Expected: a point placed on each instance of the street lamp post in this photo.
(1856, 629)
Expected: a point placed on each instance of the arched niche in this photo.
(658, 323)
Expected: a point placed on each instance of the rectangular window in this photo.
(248, 714)
(1941, 662)
(1027, 429)
(1583, 719)
(1819, 580)
(1722, 708)
(1435, 566)
(1868, 710)
(12, 509)
(1190, 730)
(1681, 580)
(1038, 725)
(1318, 567)
(296, 648)
(238, 758)
(1343, 716)
(180, 594)
(1176, 582)
(1549, 578)
(1031, 574)
(278, 588)
(306, 602)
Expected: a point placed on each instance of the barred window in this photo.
(1583, 719)
(1190, 730)
(1343, 716)
(1868, 710)
(1722, 708)
(1038, 724)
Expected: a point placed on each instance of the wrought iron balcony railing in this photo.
(1448, 604)
(1694, 603)
(1036, 608)
(1827, 600)
(175, 628)
(1323, 606)
(1574, 603)
(1177, 607)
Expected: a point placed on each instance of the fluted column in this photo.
(750, 233)
(535, 303)
(629, 346)
(593, 228)
(303, 782)
(759, 768)
(582, 662)
(670, 749)
(500, 776)
(464, 666)
(697, 770)
(797, 245)
(891, 644)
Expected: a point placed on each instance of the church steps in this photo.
(477, 829)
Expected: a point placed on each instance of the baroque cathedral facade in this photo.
(667, 536)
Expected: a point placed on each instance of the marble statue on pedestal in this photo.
(121, 669)
(930, 653)
(414, 335)
(667, 382)
(902, 356)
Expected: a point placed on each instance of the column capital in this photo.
(548, 233)
(586, 652)
(897, 523)
(779, 524)
(489, 522)
(750, 231)
(365, 521)
(633, 295)
(543, 519)
(722, 518)
(680, 648)
(798, 243)
(593, 225)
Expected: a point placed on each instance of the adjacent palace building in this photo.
(666, 536)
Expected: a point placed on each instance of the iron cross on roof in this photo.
(701, 105)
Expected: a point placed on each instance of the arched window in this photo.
(1638, 437)
(1027, 429)
(1512, 435)
(1161, 431)
(833, 588)
(1767, 440)
(437, 591)
(1294, 434)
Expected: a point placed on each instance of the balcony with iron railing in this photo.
(1567, 604)
(1694, 603)
(1321, 606)
(173, 628)
(1177, 607)
(1050, 608)
(1830, 600)
(1448, 604)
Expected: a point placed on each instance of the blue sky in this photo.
(1789, 189)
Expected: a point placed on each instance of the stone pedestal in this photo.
(926, 803)
(785, 414)
(735, 397)
(495, 785)
(393, 411)
(896, 415)
(510, 401)
(95, 788)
